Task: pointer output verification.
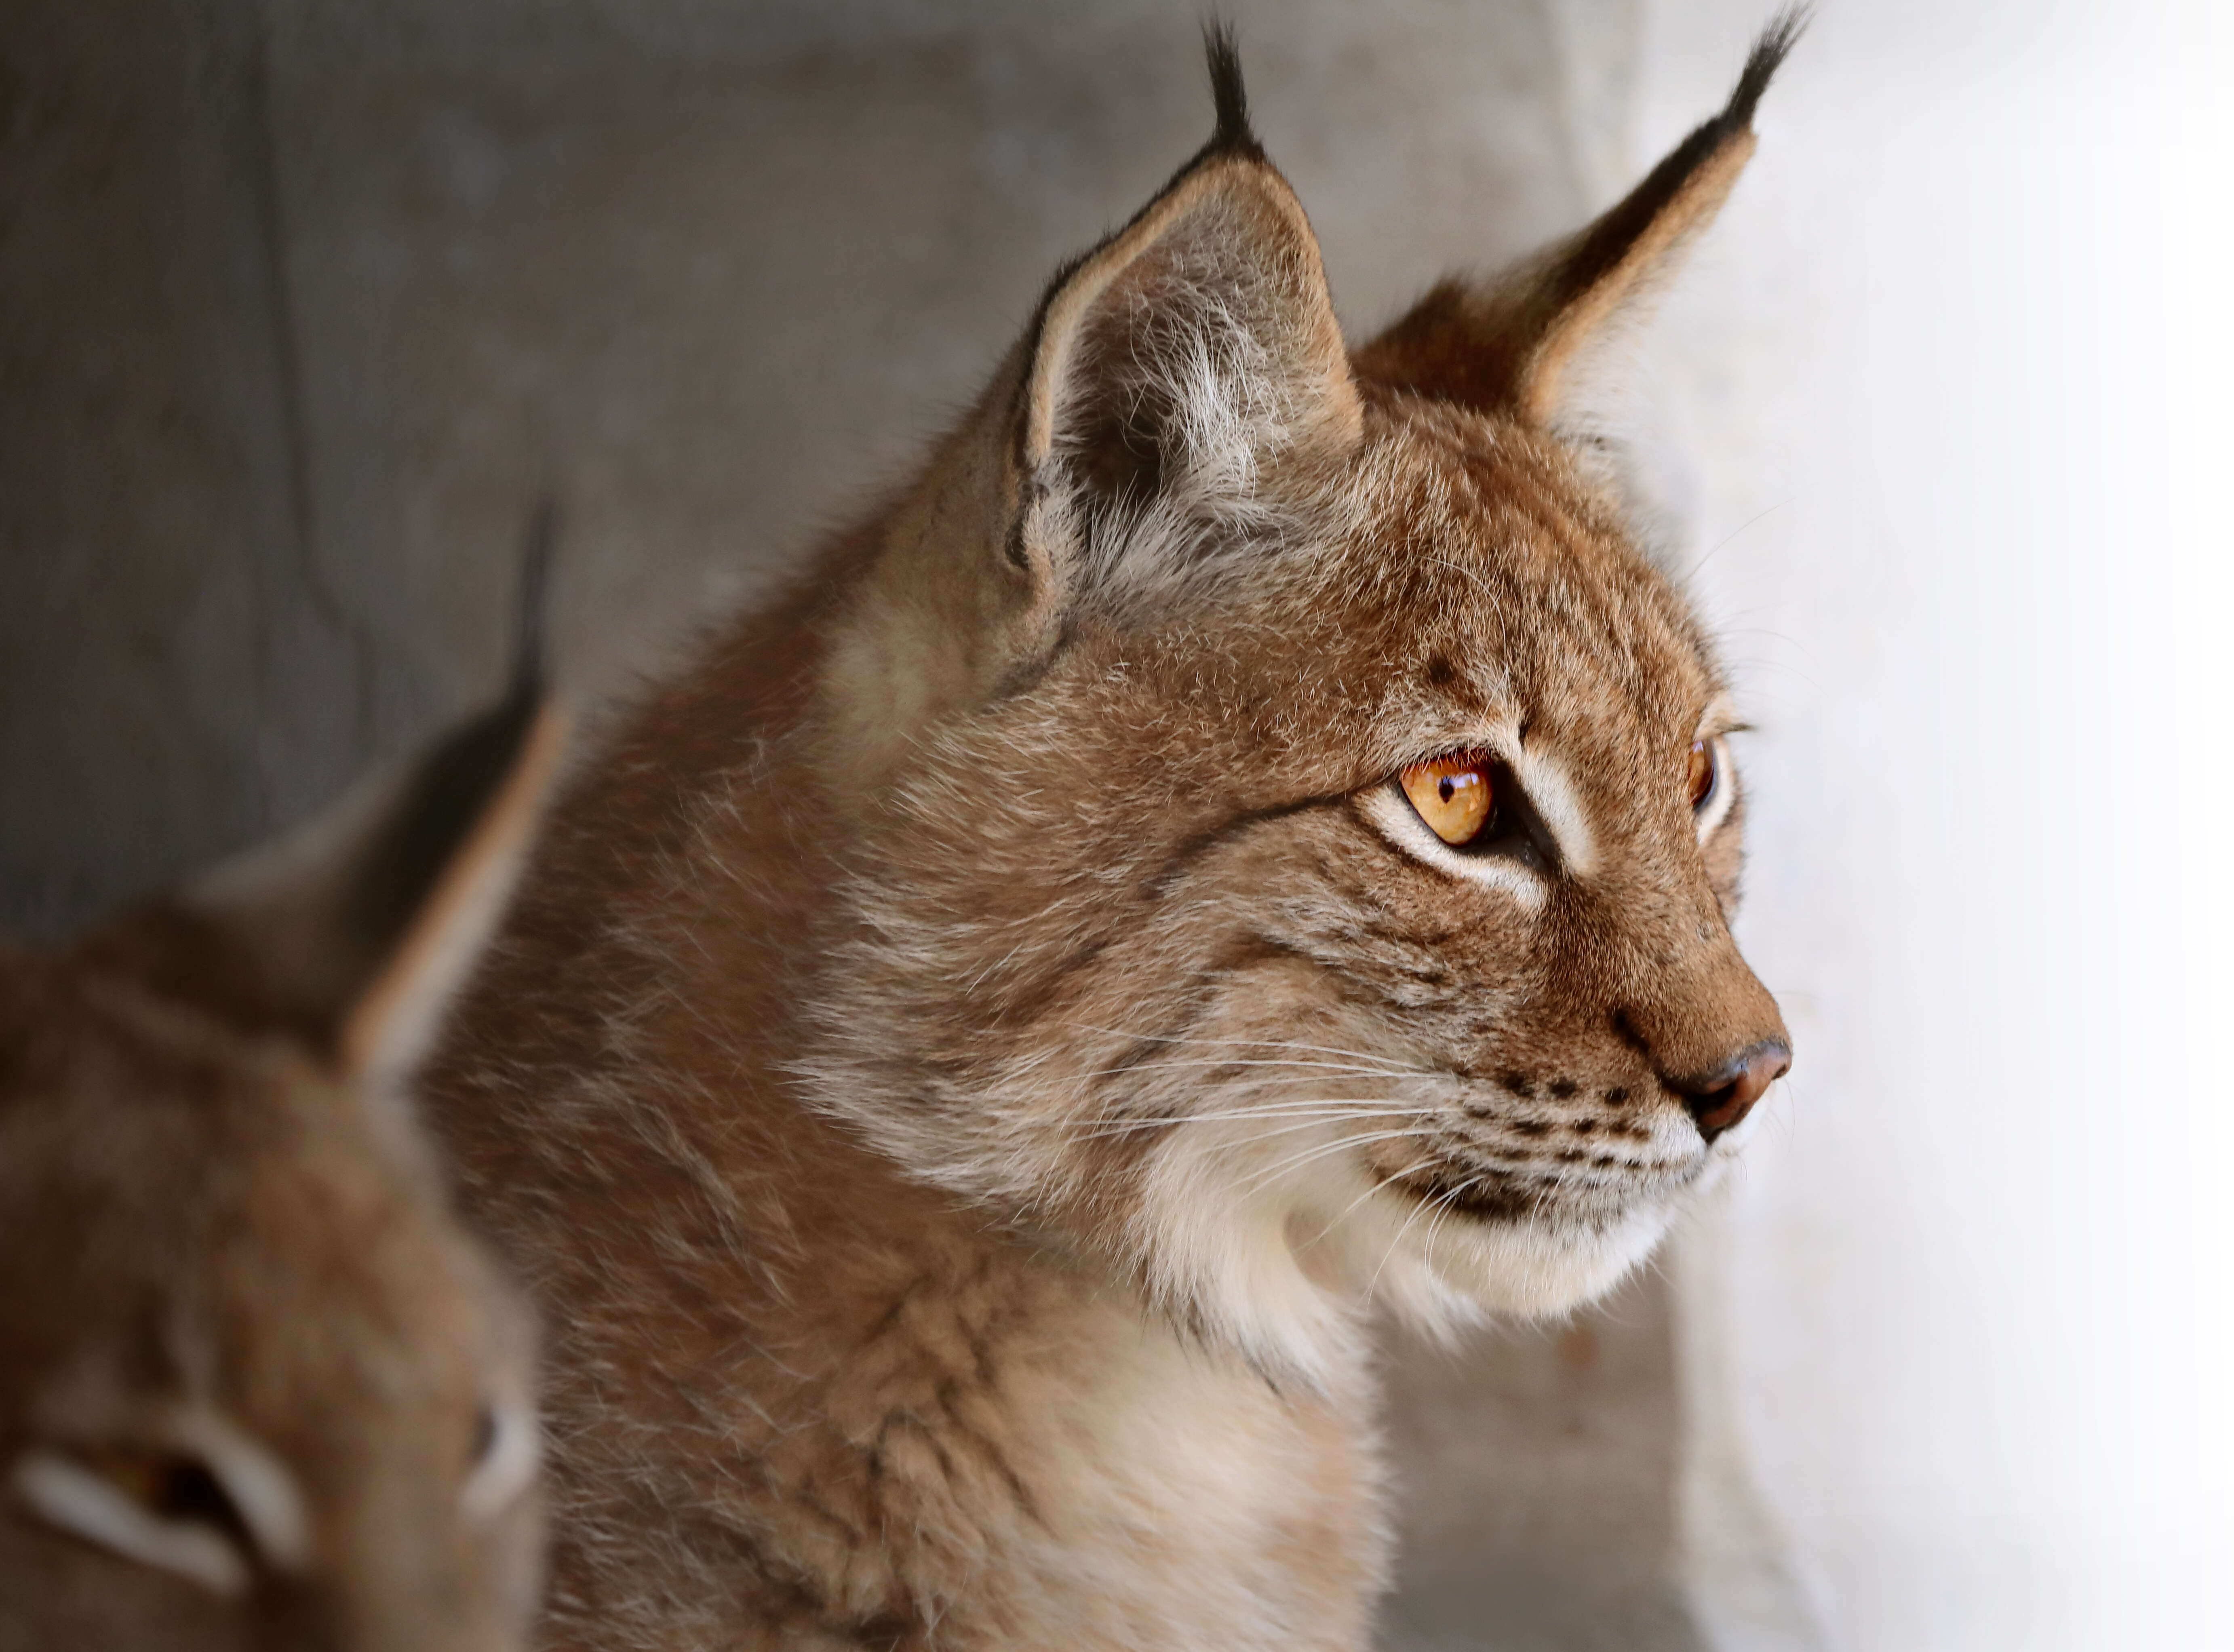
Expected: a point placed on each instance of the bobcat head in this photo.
(1290, 834)
(257, 1387)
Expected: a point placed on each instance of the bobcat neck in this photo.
(798, 1395)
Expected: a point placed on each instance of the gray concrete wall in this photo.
(177, 673)
(302, 307)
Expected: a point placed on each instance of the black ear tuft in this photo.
(1768, 57)
(1227, 92)
(1607, 241)
(1512, 344)
(528, 613)
(453, 784)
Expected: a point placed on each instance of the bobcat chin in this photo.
(1243, 835)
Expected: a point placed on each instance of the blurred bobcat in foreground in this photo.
(1244, 835)
(257, 1390)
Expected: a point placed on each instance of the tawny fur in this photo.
(258, 1388)
(973, 1048)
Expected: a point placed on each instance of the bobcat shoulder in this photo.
(1245, 835)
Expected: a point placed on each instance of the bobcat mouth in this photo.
(1508, 1197)
(1487, 1196)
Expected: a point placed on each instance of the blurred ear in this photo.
(351, 934)
(1521, 343)
(427, 891)
(1182, 366)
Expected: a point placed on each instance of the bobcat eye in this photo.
(1454, 795)
(506, 1451)
(153, 1506)
(1705, 774)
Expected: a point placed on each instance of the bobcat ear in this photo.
(351, 934)
(1185, 360)
(426, 889)
(1517, 343)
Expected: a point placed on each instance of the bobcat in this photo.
(257, 1388)
(1243, 835)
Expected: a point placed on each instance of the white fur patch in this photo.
(1393, 817)
(1214, 1229)
(1545, 778)
(1725, 794)
(515, 1451)
(1285, 1238)
(72, 1498)
(1441, 1271)
(258, 1482)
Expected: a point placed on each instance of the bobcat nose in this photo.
(1717, 1102)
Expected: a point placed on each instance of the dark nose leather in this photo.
(1719, 1101)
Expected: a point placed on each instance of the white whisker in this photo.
(1241, 1060)
(1328, 1111)
(1296, 1161)
(1448, 1202)
(1300, 1124)
(1253, 1043)
(1342, 1215)
(1374, 1283)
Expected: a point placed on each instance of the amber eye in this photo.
(1453, 794)
(1703, 773)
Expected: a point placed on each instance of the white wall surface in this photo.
(1953, 375)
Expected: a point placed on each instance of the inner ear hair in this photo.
(1194, 349)
(1514, 344)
